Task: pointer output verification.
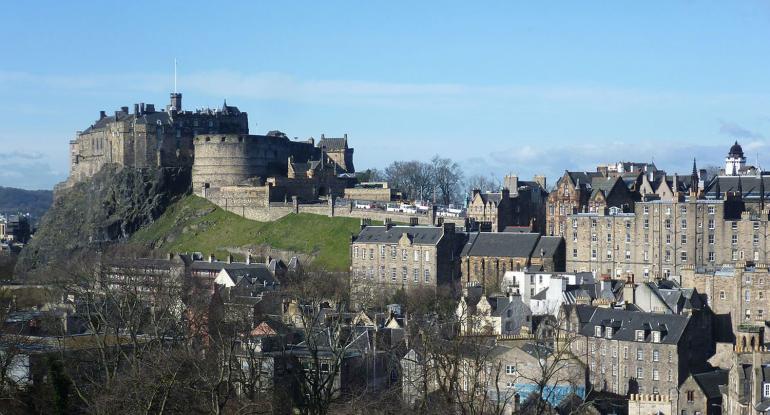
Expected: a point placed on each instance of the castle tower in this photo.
(735, 160)
(176, 102)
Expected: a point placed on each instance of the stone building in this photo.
(700, 393)
(748, 389)
(496, 314)
(518, 204)
(148, 137)
(577, 192)
(739, 292)
(632, 352)
(385, 259)
(258, 169)
(486, 256)
(661, 237)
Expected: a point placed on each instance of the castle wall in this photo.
(230, 159)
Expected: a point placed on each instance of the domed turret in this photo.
(735, 161)
(736, 151)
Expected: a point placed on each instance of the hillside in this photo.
(194, 224)
(35, 202)
(108, 207)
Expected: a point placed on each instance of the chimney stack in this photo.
(141, 108)
(102, 114)
(413, 221)
(229, 258)
(211, 258)
(124, 110)
(248, 258)
(136, 109)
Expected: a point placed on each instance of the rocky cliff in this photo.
(109, 207)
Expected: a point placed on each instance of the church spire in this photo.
(694, 185)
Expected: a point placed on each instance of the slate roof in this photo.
(333, 144)
(501, 244)
(494, 197)
(625, 323)
(548, 245)
(749, 185)
(709, 382)
(583, 177)
(420, 235)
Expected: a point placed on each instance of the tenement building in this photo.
(387, 258)
(586, 192)
(148, 137)
(663, 236)
(632, 352)
(486, 256)
(519, 204)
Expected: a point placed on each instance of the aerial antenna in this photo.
(175, 75)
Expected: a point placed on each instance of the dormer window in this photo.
(656, 337)
(608, 334)
(598, 331)
(766, 390)
(639, 335)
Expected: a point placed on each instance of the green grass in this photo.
(195, 224)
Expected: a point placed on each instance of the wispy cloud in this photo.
(734, 130)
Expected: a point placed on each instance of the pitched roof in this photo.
(750, 186)
(625, 324)
(501, 244)
(548, 245)
(333, 144)
(709, 382)
(419, 235)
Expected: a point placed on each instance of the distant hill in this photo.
(195, 224)
(36, 202)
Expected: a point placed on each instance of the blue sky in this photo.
(499, 86)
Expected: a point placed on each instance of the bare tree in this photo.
(447, 176)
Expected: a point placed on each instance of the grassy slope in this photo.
(194, 224)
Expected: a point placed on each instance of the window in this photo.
(735, 255)
(712, 209)
(639, 373)
(404, 274)
(427, 256)
(683, 209)
(734, 225)
(628, 255)
(755, 239)
(668, 239)
(510, 369)
(625, 352)
(639, 354)
(403, 254)
(609, 237)
(574, 223)
(639, 335)
(711, 256)
(656, 337)
(416, 275)
(574, 236)
(609, 333)
(655, 355)
(734, 239)
(722, 295)
(711, 239)
(593, 253)
(628, 237)
(393, 252)
(646, 223)
(766, 390)
(683, 256)
(683, 223)
(355, 252)
(655, 374)
(593, 237)
(574, 253)
(711, 223)
(668, 210)
(683, 239)
(646, 210)
(382, 252)
(668, 223)
(609, 254)
(598, 331)
(427, 275)
(382, 273)
(371, 253)
(690, 396)
(416, 255)
(747, 296)
(393, 275)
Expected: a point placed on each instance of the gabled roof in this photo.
(626, 323)
(548, 245)
(333, 144)
(419, 235)
(709, 382)
(501, 244)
